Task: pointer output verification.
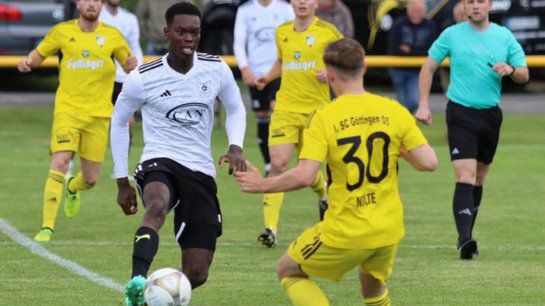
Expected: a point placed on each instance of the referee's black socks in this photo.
(463, 210)
(146, 243)
(477, 196)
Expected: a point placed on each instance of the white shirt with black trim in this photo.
(127, 24)
(177, 112)
(255, 25)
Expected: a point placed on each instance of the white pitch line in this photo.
(39, 250)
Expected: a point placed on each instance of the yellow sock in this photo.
(78, 183)
(319, 185)
(52, 197)
(383, 300)
(272, 202)
(303, 292)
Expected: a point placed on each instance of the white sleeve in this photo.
(129, 100)
(290, 13)
(134, 41)
(235, 122)
(239, 44)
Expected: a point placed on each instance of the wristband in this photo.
(513, 71)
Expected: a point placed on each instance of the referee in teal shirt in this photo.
(481, 54)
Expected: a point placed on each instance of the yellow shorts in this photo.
(320, 260)
(88, 136)
(287, 127)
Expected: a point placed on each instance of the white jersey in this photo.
(255, 26)
(177, 112)
(127, 24)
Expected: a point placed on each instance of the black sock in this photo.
(477, 196)
(146, 243)
(462, 208)
(263, 138)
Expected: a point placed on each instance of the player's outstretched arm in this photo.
(33, 60)
(423, 113)
(303, 175)
(422, 158)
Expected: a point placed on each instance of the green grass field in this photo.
(510, 270)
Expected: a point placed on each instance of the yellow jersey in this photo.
(359, 136)
(301, 54)
(86, 68)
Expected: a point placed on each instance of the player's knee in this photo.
(197, 275)
(467, 177)
(156, 211)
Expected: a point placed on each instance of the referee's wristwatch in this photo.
(512, 71)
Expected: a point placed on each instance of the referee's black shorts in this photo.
(261, 99)
(473, 133)
(197, 214)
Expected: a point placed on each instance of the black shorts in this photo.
(473, 133)
(261, 99)
(197, 214)
(117, 91)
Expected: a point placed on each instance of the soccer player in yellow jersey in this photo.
(303, 89)
(82, 103)
(361, 136)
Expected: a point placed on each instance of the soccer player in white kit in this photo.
(255, 51)
(176, 94)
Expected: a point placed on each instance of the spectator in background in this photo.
(127, 24)
(410, 35)
(151, 16)
(255, 51)
(337, 13)
(458, 15)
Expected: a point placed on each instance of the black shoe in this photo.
(468, 249)
(323, 205)
(268, 238)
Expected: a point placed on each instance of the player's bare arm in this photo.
(303, 175)
(274, 73)
(422, 158)
(322, 76)
(423, 113)
(126, 196)
(130, 63)
(33, 60)
(234, 158)
(519, 75)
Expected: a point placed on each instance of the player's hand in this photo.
(248, 77)
(234, 158)
(126, 196)
(24, 65)
(261, 82)
(251, 180)
(130, 63)
(503, 69)
(423, 114)
(322, 76)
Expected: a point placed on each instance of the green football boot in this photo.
(44, 235)
(134, 291)
(72, 202)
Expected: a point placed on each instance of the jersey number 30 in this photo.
(350, 157)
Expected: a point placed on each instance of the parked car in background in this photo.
(24, 23)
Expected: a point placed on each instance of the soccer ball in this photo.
(167, 287)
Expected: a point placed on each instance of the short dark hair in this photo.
(182, 8)
(346, 56)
